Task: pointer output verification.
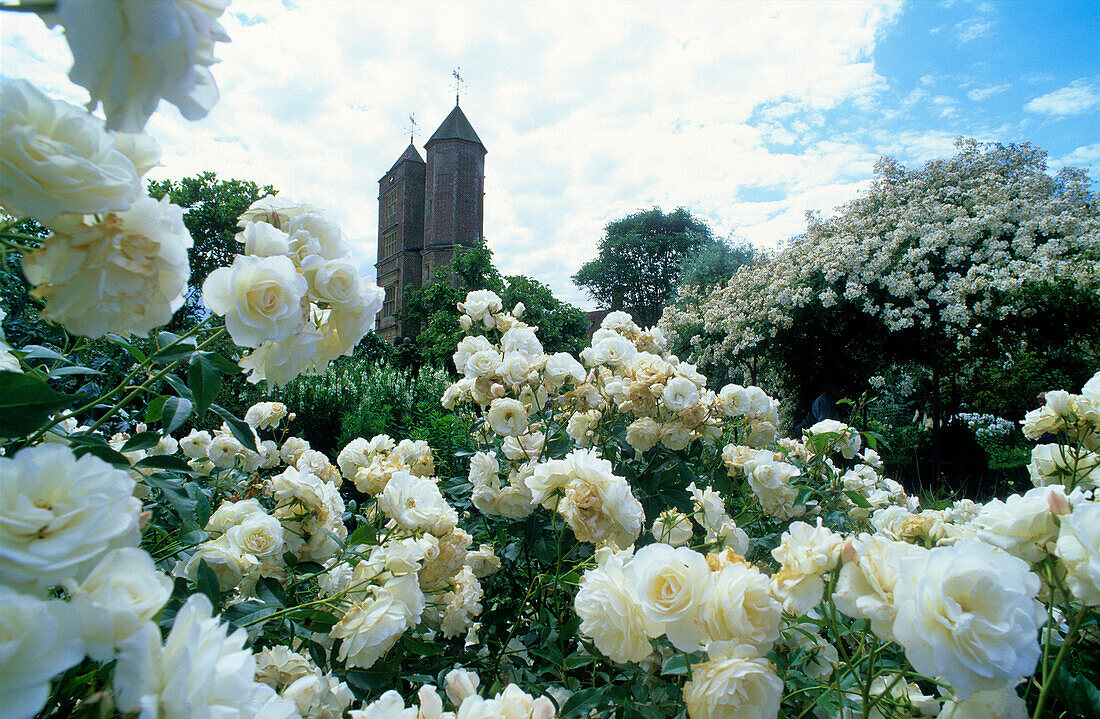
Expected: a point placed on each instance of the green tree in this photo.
(213, 207)
(641, 260)
(715, 261)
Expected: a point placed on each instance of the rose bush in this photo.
(627, 540)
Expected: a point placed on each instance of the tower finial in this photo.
(459, 83)
(411, 127)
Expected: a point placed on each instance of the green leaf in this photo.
(202, 509)
(179, 386)
(858, 499)
(26, 402)
(238, 427)
(141, 440)
(30, 352)
(175, 413)
(122, 342)
(154, 410)
(1078, 693)
(225, 366)
(582, 702)
(250, 612)
(675, 665)
(207, 583)
(104, 452)
(72, 370)
(423, 648)
(205, 382)
(363, 534)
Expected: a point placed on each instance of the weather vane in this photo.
(459, 82)
(411, 127)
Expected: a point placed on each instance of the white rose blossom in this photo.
(56, 158)
(260, 297)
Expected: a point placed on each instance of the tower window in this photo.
(389, 242)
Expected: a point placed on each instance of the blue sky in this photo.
(749, 114)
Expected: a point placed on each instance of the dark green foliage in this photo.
(213, 207)
(562, 327)
(641, 261)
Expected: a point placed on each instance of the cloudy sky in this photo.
(746, 113)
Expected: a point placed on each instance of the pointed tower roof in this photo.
(410, 154)
(456, 127)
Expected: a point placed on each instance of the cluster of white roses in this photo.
(717, 602)
(116, 260)
(370, 464)
(461, 689)
(1078, 416)
(75, 524)
(294, 295)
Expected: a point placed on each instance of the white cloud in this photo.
(1086, 156)
(981, 93)
(1079, 96)
(588, 111)
(972, 29)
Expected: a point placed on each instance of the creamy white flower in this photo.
(615, 350)
(610, 611)
(642, 434)
(805, 553)
(39, 639)
(738, 685)
(60, 515)
(672, 527)
(265, 415)
(967, 613)
(259, 535)
(459, 684)
(279, 362)
(680, 394)
(56, 158)
(480, 303)
(275, 210)
(129, 55)
(741, 609)
(990, 704)
(227, 562)
(194, 444)
(1022, 525)
(334, 282)
(467, 347)
(125, 273)
(524, 447)
(260, 297)
(263, 240)
(507, 417)
(561, 367)
(514, 368)
(865, 586)
(483, 363)
(370, 628)
(1079, 549)
(123, 591)
(1063, 464)
(672, 586)
(416, 504)
(202, 671)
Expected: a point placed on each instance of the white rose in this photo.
(370, 628)
(263, 240)
(229, 514)
(642, 434)
(672, 527)
(279, 362)
(259, 535)
(480, 303)
(741, 609)
(610, 612)
(261, 298)
(739, 685)
(1062, 464)
(194, 444)
(1022, 525)
(126, 273)
(467, 347)
(676, 435)
(615, 350)
(274, 210)
(521, 340)
(680, 394)
(672, 585)
(416, 504)
(123, 591)
(141, 149)
(39, 640)
(967, 613)
(805, 553)
(61, 515)
(483, 363)
(225, 560)
(1079, 549)
(265, 415)
(524, 447)
(563, 366)
(335, 282)
(507, 417)
(131, 54)
(991, 704)
(459, 684)
(201, 670)
(865, 586)
(56, 158)
(514, 368)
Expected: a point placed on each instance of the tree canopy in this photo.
(213, 207)
(640, 262)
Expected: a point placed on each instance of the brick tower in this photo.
(454, 194)
(425, 210)
(400, 238)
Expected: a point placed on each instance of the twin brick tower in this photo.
(425, 210)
